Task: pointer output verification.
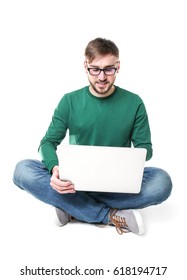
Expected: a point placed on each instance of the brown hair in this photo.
(100, 46)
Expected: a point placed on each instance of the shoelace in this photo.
(71, 219)
(118, 222)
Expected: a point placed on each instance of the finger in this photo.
(69, 189)
(62, 188)
(66, 183)
(62, 185)
(66, 191)
(59, 182)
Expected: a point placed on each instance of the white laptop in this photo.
(102, 169)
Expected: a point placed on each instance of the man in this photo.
(100, 114)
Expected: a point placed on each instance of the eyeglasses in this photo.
(107, 71)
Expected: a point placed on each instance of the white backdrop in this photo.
(41, 58)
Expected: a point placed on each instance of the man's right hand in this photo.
(62, 187)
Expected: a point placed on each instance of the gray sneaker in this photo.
(62, 218)
(126, 220)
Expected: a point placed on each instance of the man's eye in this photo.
(109, 69)
(95, 70)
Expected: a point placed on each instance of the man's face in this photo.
(102, 83)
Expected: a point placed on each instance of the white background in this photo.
(41, 58)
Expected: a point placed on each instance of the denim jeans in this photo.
(91, 207)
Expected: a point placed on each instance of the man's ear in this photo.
(118, 66)
(85, 66)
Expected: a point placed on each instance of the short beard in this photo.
(101, 92)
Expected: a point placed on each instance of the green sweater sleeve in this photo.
(141, 135)
(54, 135)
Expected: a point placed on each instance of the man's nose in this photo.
(102, 75)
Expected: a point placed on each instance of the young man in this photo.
(100, 114)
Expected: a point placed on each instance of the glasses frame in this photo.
(100, 70)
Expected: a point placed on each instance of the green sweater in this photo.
(117, 120)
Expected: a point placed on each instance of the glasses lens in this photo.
(94, 71)
(109, 71)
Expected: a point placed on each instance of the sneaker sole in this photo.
(139, 222)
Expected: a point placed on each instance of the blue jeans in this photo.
(91, 207)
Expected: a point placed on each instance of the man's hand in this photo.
(58, 185)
